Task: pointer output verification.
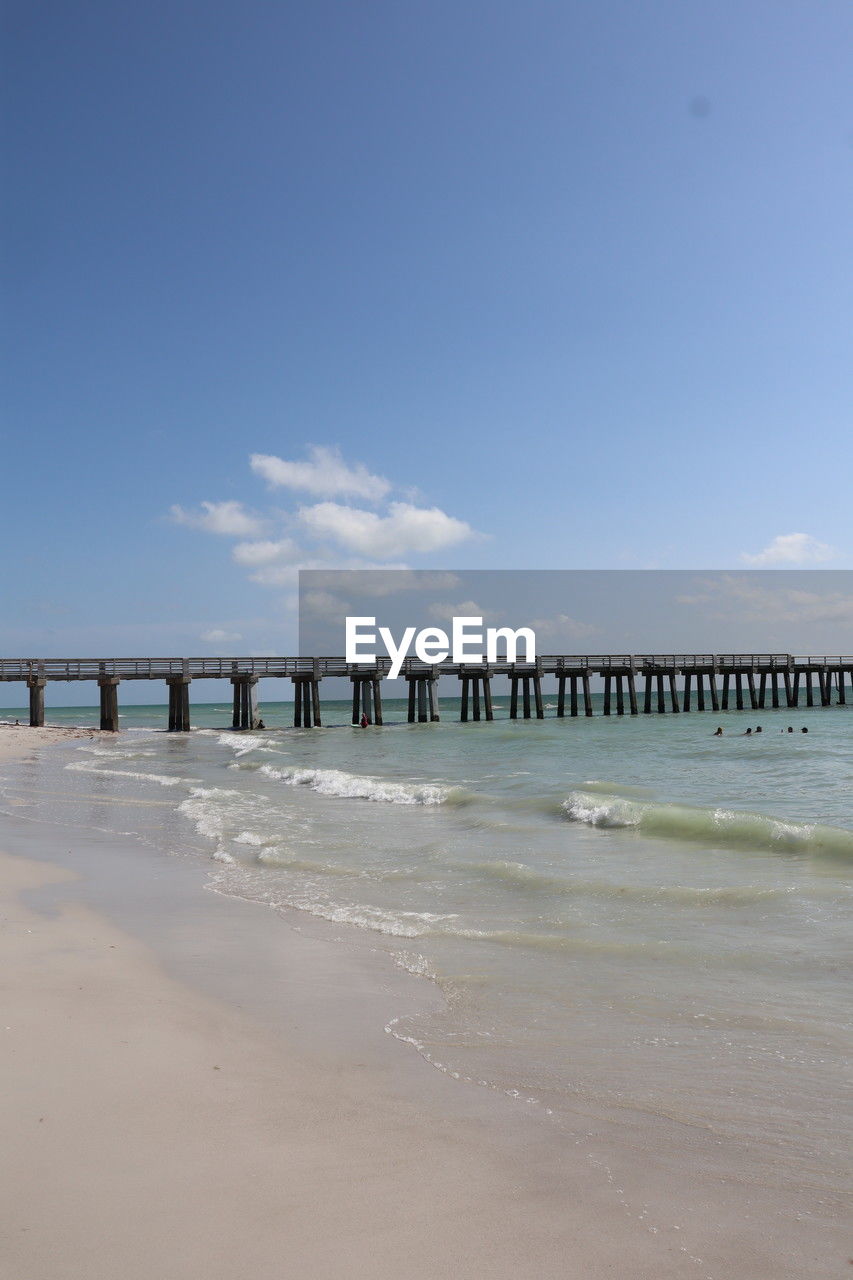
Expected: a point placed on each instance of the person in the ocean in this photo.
(261, 725)
(364, 720)
(718, 732)
(758, 728)
(804, 730)
(790, 729)
(747, 734)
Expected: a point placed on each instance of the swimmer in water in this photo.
(718, 732)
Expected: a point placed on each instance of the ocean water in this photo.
(627, 916)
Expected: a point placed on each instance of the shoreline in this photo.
(17, 740)
(450, 1178)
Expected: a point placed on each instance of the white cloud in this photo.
(406, 528)
(217, 636)
(441, 611)
(220, 517)
(326, 474)
(386, 580)
(266, 552)
(562, 627)
(750, 599)
(791, 548)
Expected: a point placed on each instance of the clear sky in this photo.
(466, 284)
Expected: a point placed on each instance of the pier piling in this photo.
(306, 702)
(179, 703)
(245, 713)
(36, 687)
(108, 690)
(423, 693)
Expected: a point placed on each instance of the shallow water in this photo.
(624, 914)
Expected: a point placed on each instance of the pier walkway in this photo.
(674, 682)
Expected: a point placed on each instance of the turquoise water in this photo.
(624, 914)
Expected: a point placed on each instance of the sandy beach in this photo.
(152, 1130)
(19, 739)
(191, 1088)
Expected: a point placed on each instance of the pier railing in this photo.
(751, 678)
(208, 668)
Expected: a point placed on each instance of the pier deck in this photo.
(749, 679)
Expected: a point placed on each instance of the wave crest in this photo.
(738, 828)
(336, 782)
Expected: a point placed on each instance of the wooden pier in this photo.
(715, 682)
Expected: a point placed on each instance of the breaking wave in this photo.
(717, 826)
(335, 782)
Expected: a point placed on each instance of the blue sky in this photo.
(476, 285)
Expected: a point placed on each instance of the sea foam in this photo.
(336, 782)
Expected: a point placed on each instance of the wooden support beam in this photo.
(561, 696)
(687, 679)
(376, 687)
(700, 691)
(661, 699)
(587, 694)
(796, 690)
(712, 688)
(179, 703)
(673, 692)
(620, 696)
(739, 691)
(607, 695)
(315, 703)
(632, 693)
(433, 701)
(475, 690)
(422, 702)
(537, 697)
(356, 699)
(573, 695)
(726, 691)
(789, 691)
(487, 697)
(525, 688)
(513, 698)
(753, 697)
(36, 688)
(762, 688)
(108, 690)
(463, 714)
(245, 711)
(842, 695)
(774, 687)
(824, 689)
(809, 689)
(411, 684)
